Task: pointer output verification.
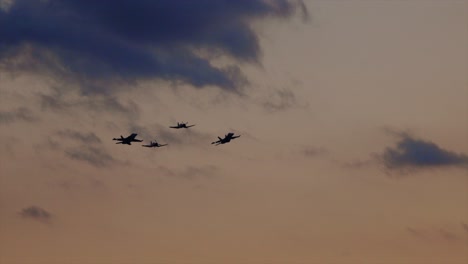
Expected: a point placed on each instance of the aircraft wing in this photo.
(190, 126)
(132, 136)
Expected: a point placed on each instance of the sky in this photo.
(353, 118)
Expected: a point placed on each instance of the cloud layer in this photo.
(102, 41)
(19, 114)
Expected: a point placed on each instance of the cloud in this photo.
(19, 114)
(59, 102)
(5, 4)
(88, 148)
(36, 213)
(101, 42)
(281, 100)
(82, 137)
(410, 152)
(96, 157)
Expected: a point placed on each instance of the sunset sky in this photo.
(353, 118)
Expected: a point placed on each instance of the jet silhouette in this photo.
(181, 125)
(154, 144)
(128, 139)
(227, 138)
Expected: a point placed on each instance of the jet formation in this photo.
(154, 144)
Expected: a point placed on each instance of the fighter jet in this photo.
(227, 138)
(128, 139)
(181, 125)
(154, 144)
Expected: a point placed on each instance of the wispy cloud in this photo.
(107, 41)
(85, 147)
(59, 102)
(282, 100)
(94, 156)
(18, 114)
(36, 213)
(89, 137)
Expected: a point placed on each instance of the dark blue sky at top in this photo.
(131, 40)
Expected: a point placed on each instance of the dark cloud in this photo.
(95, 156)
(410, 152)
(89, 137)
(36, 213)
(19, 114)
(105, 41)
